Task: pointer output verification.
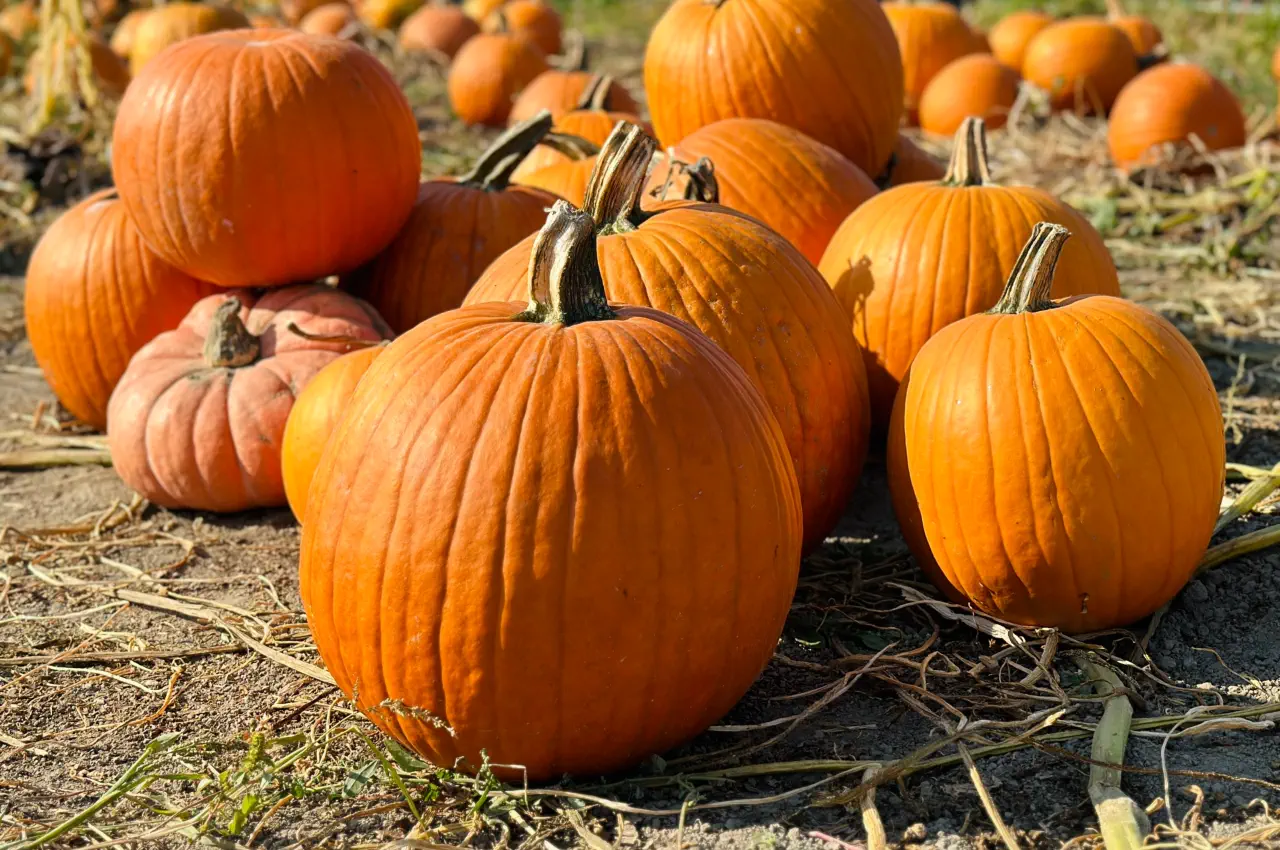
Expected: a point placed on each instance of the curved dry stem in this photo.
(1032, 278)
(617, 183)
(565, 286)
(968, 165)
(492, 171)
(230, 344)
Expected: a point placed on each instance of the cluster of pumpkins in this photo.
(559, 519)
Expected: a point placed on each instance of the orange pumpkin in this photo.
(804, 63)
(1012, 33)
(295, 10)
(1082, 63)
(198, 418)
(95, 294)
(575, 135)
(1165, 106)
(331, 19)
(19, 20)
(1142, 32)
(209, 188)
(960, 238)
(930, 37)
(110, 71)
(386, 14)
(481, 9)
(534, 20)
(562, 92)
(488, 72)
(267, 22)
(437, 29)
(750, 291)
(6, 54)
(566, 179)
(910, 165)
(1088, 508)
(126, 31)
(800, 188)
(978, 85)
(457, 228)
(175, 22)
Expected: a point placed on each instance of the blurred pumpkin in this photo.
(1081, 62)
(6, 54)
(930, 36)
(19, 20)
(1012, 33)
(478, 10)
(531, 19)
(1142, 32)
(1167, 105)
(978, 85)
(331, 19)
(488, 72)
(437, 29)
(175, 22)
(386, 14)
(910, 165)
(110, 71)
(126, 31)
(575, 135)
(566, 178)
(265, 22)
(564, 91)
(295, 10)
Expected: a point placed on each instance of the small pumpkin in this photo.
(1012, 33)
(95, 294)
(437, 29)
(386, 14)
(910, 165)
(209, 188)
(1082, 63)
(978, 85)
(175, 22)
(535, 20)
(126, 31)
(488, 72)
(930, 37)
(803, 63)
(198, 418)
(1141, 31)
(331, 19)
(562, 92)
(1088, 508)
(456, 229)
(295, 10)
(1165, 106)
(960, 238)
(19, 20)
(746, 288)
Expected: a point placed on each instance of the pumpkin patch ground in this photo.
(159, 684)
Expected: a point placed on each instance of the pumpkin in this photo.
(314, 416)
(534, 20)
(799, 187)
(95, 294)
(488, 72)
(19, 20)
(268, 22)
(978, 85)
(295, 10)
(1082, 63)
(457, 228)
(910, 165)
(331, 19)
(480, 494)
(562, 92)
(981, 43)
(437, 29)
(1012, 33)
(212, 192)
(110, 71)
(575, 135)
(481, 9)
(746, 288)
(930, 37)
(918, 257)
(126, 31)
(386, 14)
(803, 63)
(175, 22)
(1142, 32)
(567, 178)
(198, 418)
(1087, 508)
(6, 54)
(1167, 105)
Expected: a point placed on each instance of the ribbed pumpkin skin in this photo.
(454, 572)
(1082, 63)
(440, 28)
(454, 232)
(488, 72)
(188, 435)
(803, 63)
(930, 37)
(1168, 104)
(565, 179)
(330, 19)
(197, 157)
(532, 19)
(1039, 458)
(560, 92)
(95, 294)
(912, 165)
(175, 22)
(1012, 33)
(756, 297)
(594, 125)
(978, 85)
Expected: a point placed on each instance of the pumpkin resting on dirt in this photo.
(1081, 62)
(1086, 509)
(480, 495)
(1167, 105)
(488, 72)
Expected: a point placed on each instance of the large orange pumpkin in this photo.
(175, 22)
(930, 37)
(198, 418)
(750, 291)
(95, 294)
(126, 31)
(1012, 33)
(437, 29)
(457, 228)
(243, 180)
(1081, 62)
(534, 20)
(979, 85)
(1087, 508)
(910, 164)
(564, 91)
(480, 495)
(1142, 32)
(918, 257)
(830, 70)
(331, 19)
(488, 72)
(1167, 105)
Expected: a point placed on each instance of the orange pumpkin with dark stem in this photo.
(457, 228)
(209, 188)
(484, 480)
(1167, 105)
(1088, 508)
(910, 165)
(488, 72)
(1142, 33)
(174, 22)
(331, 19)
(750, 291)
(1012, 33)
(562, 92)
(534, 20)
(962, 236)
(707, 61)
(198, 419)
(95, 294)
(930, 37)
(978, 85)
(437, 29)
(1082, 63)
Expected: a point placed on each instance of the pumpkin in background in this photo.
(488, 72)
(799, 187)
(210, 189)
(566, 178)
(978, 85)
(295, 10)
(575, 135)
(331, 19)
(126, 31)
(960, 237)
(457, 228)
(1081, 62)
(437, 29)
(1090, 507)
(95, 294)
(481, 9)
(484, 480)
(532, 19)
(910, 165)
(316, 413)
(803, 63)
(1012, 33)
(562, 92)
(386, 14)
(1166, 105)
(175, 22)
(749, 290)
(198, 418)
(981, 43)
(269, 22)
(930, 37)
(19, 20)
(110, 70)
(1142, 32)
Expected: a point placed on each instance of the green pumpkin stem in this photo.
(1032, 278)
(968, 166)
(596, 95)
(230, 344)
(565, 286)
(617, 183)
(492, 171)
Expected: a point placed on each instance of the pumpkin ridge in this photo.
(927, 193)
(790, 199)
(165, 142)
(953, 203)
(101, 225)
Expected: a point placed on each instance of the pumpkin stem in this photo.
(565, 286)
(617, 182)
(230, 344)
(1032, 278)
(1115, 9)
(596, 95)
(574, 147)
(968, 166)
(700, 181)
(349, 341)
(492, 171)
